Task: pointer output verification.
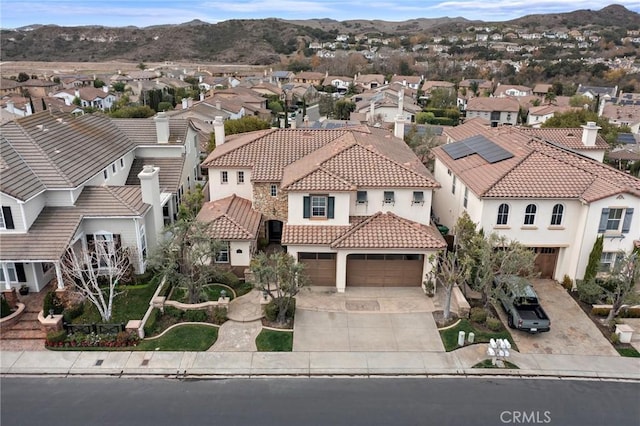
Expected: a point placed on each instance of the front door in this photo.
(274, 230)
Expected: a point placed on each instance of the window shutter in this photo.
(330, 207)
(626, 225)
(22, 278)
(603, 220)
(306, 207)
(8, 218)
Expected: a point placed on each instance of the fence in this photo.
(94, 328)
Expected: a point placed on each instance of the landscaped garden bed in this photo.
(211, 292)
(482, 334)
(187, 337)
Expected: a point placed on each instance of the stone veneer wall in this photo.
(270, 207)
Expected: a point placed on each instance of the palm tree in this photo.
(550, 98)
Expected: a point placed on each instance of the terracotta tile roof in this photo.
(389, 231)
(539, 169)
(492, 104)
(311, 234)
(65, 151)
(170, 172)
(436, 84)
(542, 88)
(471, 127)
(568, 137)
(231, 218)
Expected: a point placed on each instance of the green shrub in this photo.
(615, 338)
(271, 310)
(478, 315)
(5, 309)
(173, 312)
(600, 311)
(567, 283)
(589, 292)
(494, 324)
(195, 316)
(152, 322)
(73, 312)
(629, 313)
(226, 277)
(594, 259)
(218, 315)
(51, 303)
(55, 337)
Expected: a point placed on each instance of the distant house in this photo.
(369, 81)
(309, 77)
(503, 90)
(498, 111)
(411, 81)
(593, 92)
(89, 97)
(542, 89)
(623, 115)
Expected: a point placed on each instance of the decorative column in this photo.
(7, 280)
(59, 275)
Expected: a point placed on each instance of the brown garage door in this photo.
(319, 267)
(545, 263)
(384, 270)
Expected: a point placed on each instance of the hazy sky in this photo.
(143, 13)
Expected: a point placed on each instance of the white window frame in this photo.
(143, 242)
(105, 173)
(122, 162)
(465, 199)
(240, 177)
(273, 190)
(319, 206)
(3, 224)
(224, 177)
(223, 254)
(453, 185)
(611, 220)
(557, 214)
(113, 168)
(418, 197)
(530, 214)
(389, 199)
(504, 215)
(11, 267)
(608, 260)
(106, 239)
(361, 197)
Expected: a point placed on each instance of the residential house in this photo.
(498, 111)
(409, 81)
(596, 92)
(38, 88)
(384, 107)
(88, 96)
(623, 115)
(80, 181)
(539, 114)
(309, 77)
(351, 203)
(539, 193)
(541, 89)
(340, 83)
(584, 140)
(75, 81)
(503, 90)
(8, 86)
(368, 81)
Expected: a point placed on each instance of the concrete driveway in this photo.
(362, 332)
(572, 331)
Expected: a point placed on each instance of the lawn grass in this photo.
(450, 336)
(630, 352)
(132, 304)
(212, 293)
(274, 341)
(189, 337)
(487, 364)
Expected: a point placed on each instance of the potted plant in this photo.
(24, 290)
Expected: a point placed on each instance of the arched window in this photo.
(503, 214)
(530, 214)
(556, 215)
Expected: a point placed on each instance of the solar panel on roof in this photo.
(480, 145)
(626, 138)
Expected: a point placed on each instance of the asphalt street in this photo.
(317, 401)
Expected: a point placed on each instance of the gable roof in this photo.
(538, 169)
(568, 137)
(169, 175)
(380, 231)
(492, 104)
(62, 151)
(231, 218)
(358, 160)
(143, 131)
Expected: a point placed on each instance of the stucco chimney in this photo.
(77, 94)
(105, 88)
(398, 128)
(201, 97)
(199, 79)
(218, 129)
(372, 112)
(162, 127)
(150, 188)
(590, 133)
(184, 103)
(218, 105)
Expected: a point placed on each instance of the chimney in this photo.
(218, 129)
(184, 103)
(162, 127)
(590, 133)
(199, 79)
(10, 107)
(398, 128)
(150, 188)
(105, 88)
(77, 94)
(201, 96)
(218, 105)
(372, 112)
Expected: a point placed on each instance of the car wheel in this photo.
(510, 320)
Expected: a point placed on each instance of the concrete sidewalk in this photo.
(249, 364)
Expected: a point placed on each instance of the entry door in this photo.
(275, 231)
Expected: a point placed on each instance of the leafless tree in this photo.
(96, 273)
